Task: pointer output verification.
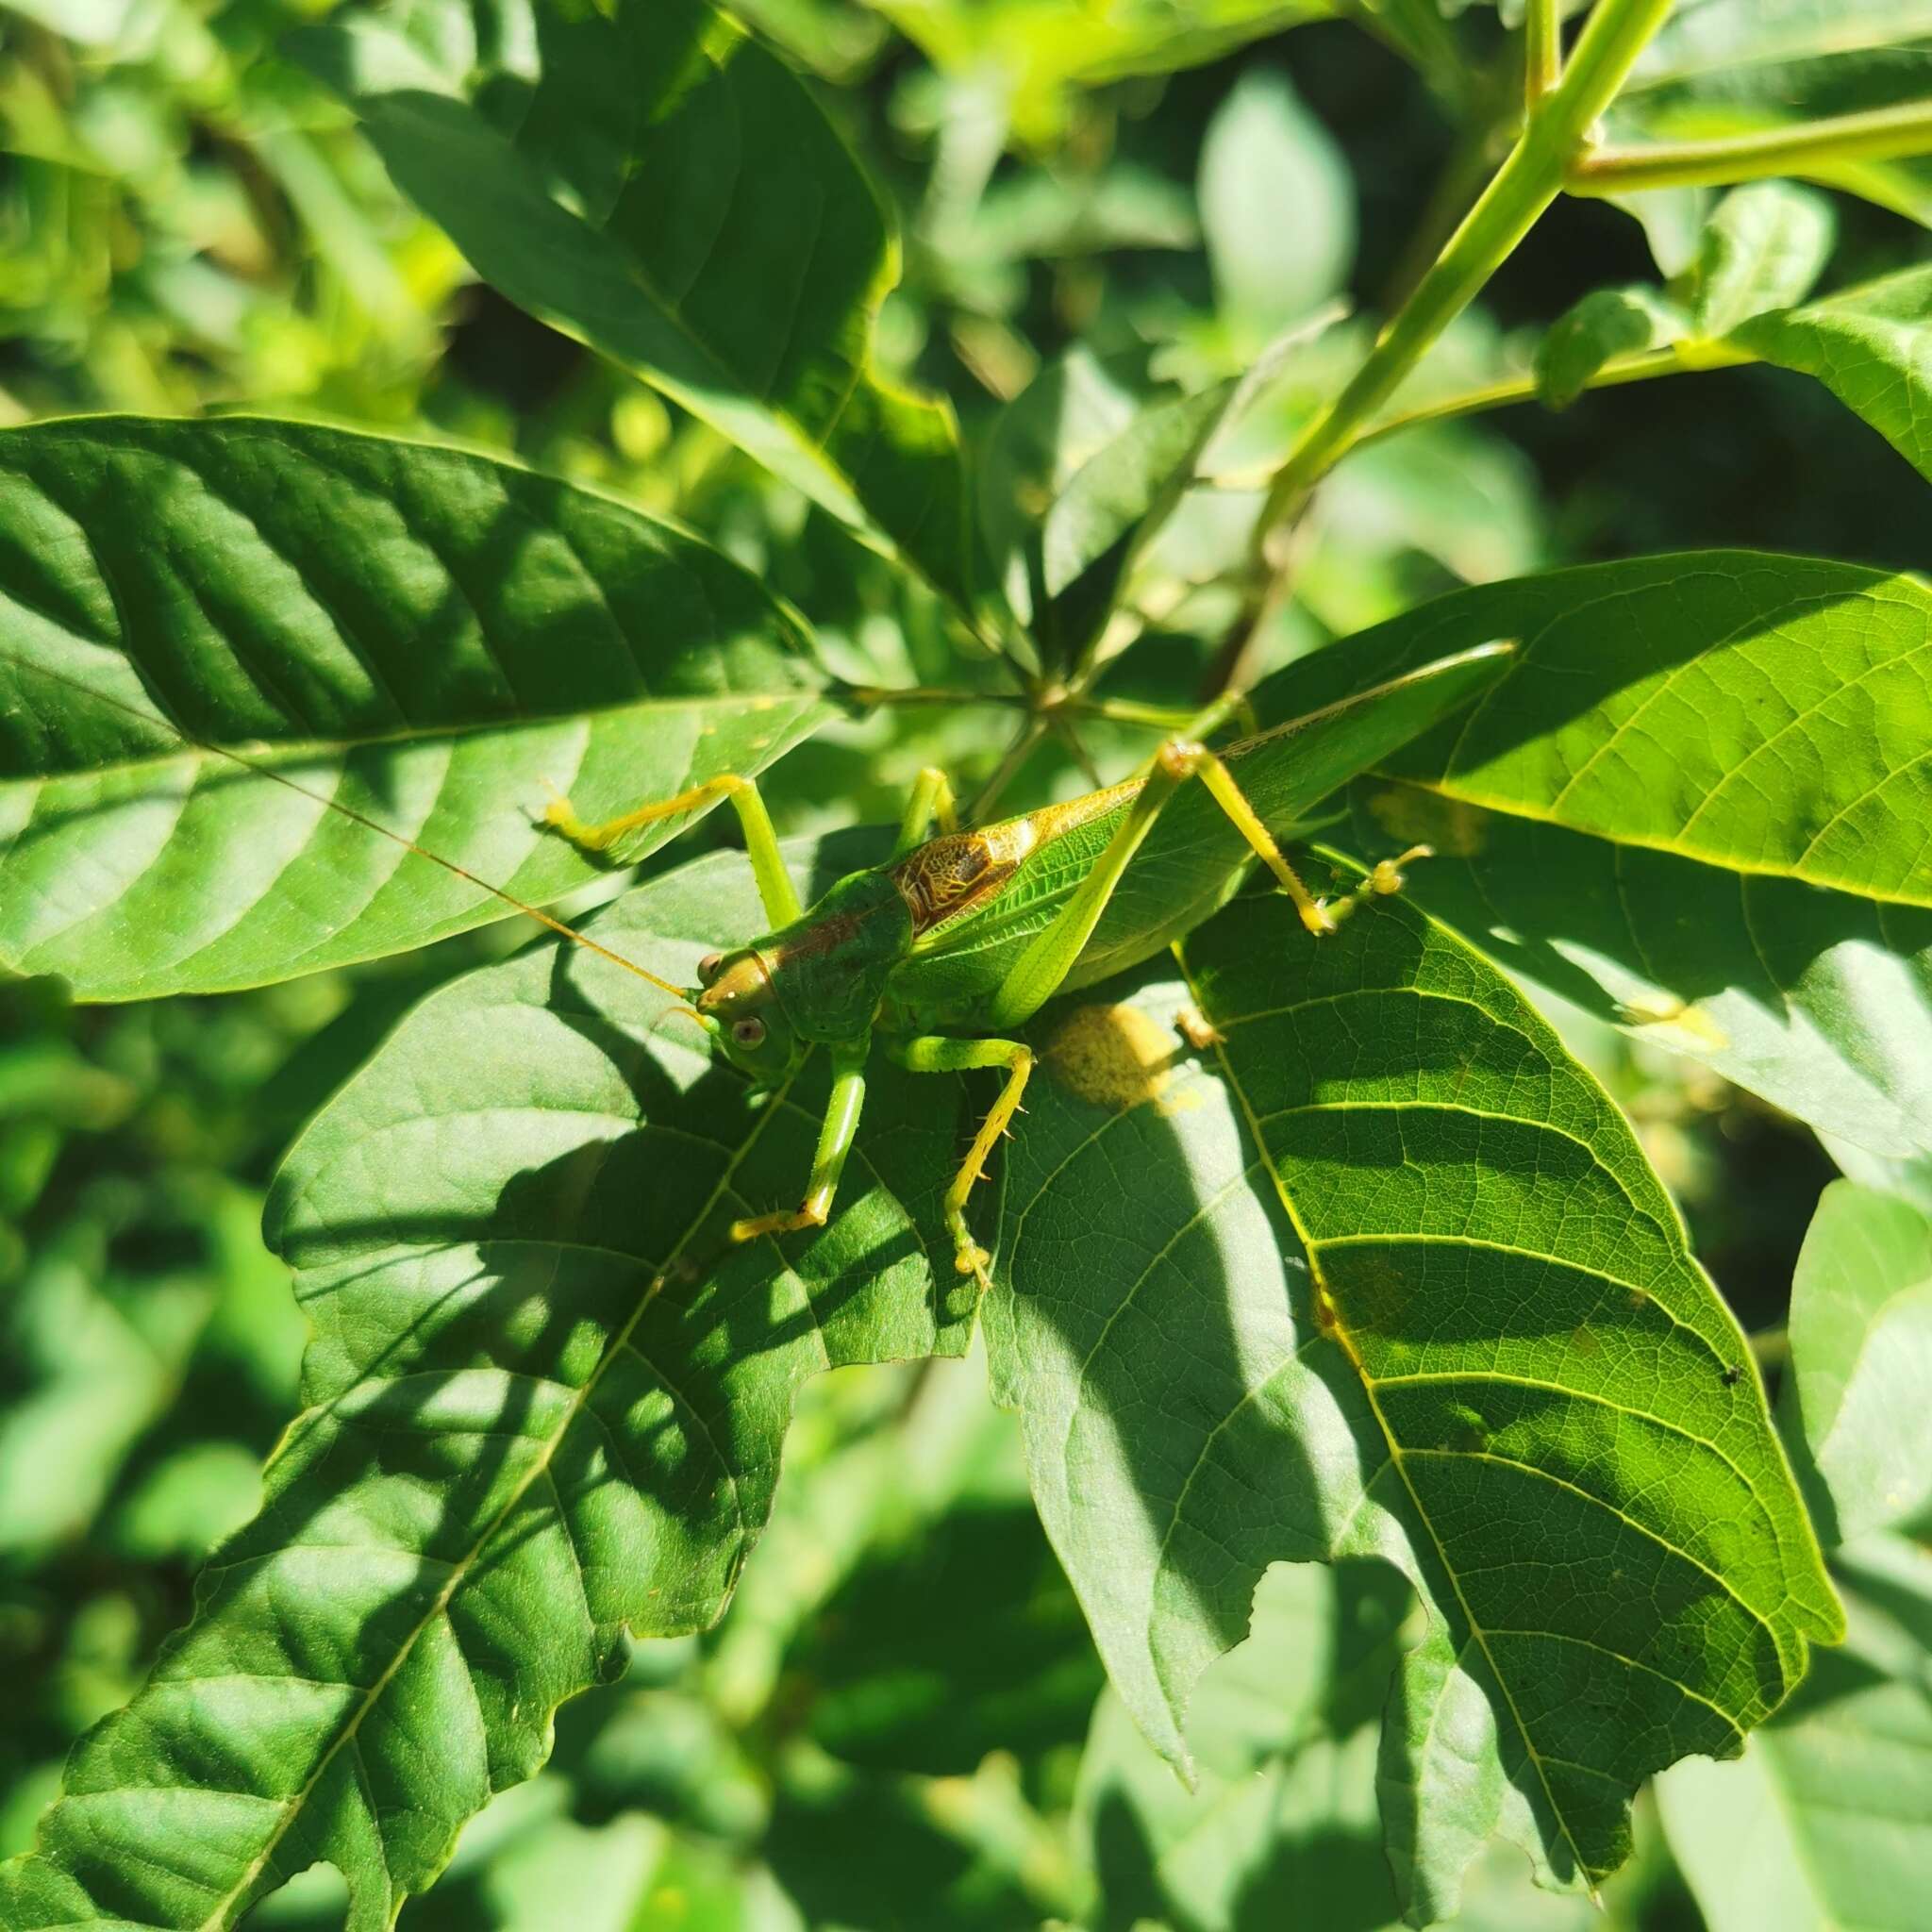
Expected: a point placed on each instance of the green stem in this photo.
(1529, 179)
(1882, 134)
(1543, 52)
(1684, 358)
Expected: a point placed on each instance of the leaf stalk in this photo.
(1878, 134)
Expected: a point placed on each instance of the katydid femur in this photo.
(958, 939)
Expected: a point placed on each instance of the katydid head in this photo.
(738, 1002)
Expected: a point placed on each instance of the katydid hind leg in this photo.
(777, 893)
(1038, 974)
(939, 1054)
(836, 1133)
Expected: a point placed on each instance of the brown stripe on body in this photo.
(951, 875)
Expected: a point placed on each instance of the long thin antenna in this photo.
(449, 865)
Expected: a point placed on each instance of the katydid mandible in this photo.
(936, 955)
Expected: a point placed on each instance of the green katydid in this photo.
(956, 940)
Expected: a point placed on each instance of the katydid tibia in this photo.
(936, 955)
(939, 954)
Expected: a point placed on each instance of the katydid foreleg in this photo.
(836, 1133)
(776, 890)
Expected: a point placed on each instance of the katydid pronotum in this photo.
(941, 953)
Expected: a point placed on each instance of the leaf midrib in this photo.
(219, 1918)
(1338, 1333)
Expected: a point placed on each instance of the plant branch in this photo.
(1543, 52)
(1881, 134)
(1529, 179)
(1682, 358)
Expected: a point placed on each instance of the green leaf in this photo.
(1605, 323)
(1871, 348)
(1385, 1275)
(1861, 1359)
(1282, 1827)
(1277, 207)
(422, 636)
(657, 184)
(1039, 50)
(1768, 714)
(1082, 470)
(1819, 1001)
(1827, 1821)
(1736, 66)
(1764, 248)
(544, 1404)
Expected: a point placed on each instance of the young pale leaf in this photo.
(1277, 207)
(1384, 1274)
(1861, 1359)
(652, 181)
(1819, 1001)
(1767, 714)
(1871, 348)
(422, 636)
(1606, 323)
(545, 1401)
(1764, 248)
(1826, 1819)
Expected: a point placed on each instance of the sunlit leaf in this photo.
(1497, 1367)
(1872, 347)
(1819, 1001)
(422, 636)
(1768, 714)
(1860, 1332)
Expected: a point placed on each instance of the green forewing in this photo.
(1195, 856)
(424, 636)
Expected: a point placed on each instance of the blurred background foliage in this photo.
(897, 1726)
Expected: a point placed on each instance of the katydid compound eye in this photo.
(708, 968)
(748, 1032)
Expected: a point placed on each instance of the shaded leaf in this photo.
(422, 635)
(657, 184)
(1861, 1359)
(1763, 248)
(545, 1400)
(1819, 1002)
(1497, 1367)
(1826, 1819)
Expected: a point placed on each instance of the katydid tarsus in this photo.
(938, 956)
